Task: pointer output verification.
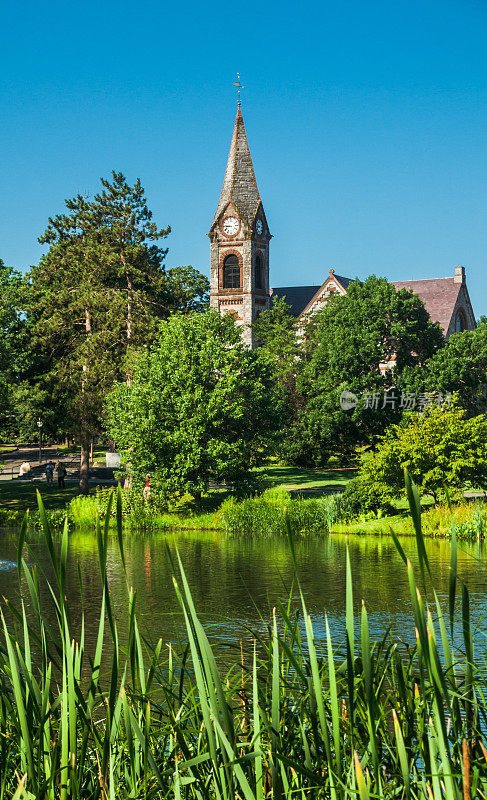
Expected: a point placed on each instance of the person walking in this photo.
(61, 474)
(49, 472)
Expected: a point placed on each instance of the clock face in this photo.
(259, 226)
(230, 226)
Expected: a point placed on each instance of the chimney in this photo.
(459, 276)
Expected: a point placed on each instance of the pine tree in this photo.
(99, 290)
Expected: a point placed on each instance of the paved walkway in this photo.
(10, 464)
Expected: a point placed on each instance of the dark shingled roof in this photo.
(344, 281)
(297, 297)
(439, 296)
(239, 184)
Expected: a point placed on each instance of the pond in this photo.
(236, 582)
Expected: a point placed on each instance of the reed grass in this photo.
(293, 718)
(275, 511)
(468, 517)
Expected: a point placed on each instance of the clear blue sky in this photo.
(367, 123)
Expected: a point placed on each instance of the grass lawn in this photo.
(306, 480)
(11, 448)
(21, 496)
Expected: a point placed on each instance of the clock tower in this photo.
(240, 238)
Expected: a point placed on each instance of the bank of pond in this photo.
(293, 711)
(273, 512)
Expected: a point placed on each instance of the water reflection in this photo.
(236, 581)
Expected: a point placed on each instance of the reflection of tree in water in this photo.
(236, 581)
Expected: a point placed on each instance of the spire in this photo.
(239, 184)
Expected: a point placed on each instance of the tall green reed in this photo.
(295, 717)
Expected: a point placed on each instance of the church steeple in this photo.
(240, 239)
(239, 184)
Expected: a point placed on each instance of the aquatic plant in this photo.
(275, 511)
(291, 718)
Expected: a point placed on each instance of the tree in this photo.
(200, 406)
(438, 447)
(99, 291)
(459, 367)
(360, 342)
(189, 289)
(15, 359)
(276, 331)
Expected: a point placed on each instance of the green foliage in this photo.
(10, 517)
(275, 510)
(460, 366)
(474, 529)
(139, 513)
(438, 447)
(362, 496)
(298, 718)
(275, 329)
(188, 289)
(347, 344)
(15, 358)
(200, 407)
(99, 291)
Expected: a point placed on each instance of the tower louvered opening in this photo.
(231, 273)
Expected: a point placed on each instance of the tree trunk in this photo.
(84, 467)
(130, 290)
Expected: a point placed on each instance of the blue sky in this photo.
(367, 124)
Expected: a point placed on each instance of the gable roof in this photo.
(300, 297)
(439, 296)
(239, 184)
(297, 297)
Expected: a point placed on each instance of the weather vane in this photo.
(239, 86)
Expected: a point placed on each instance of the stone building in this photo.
(446, 299)
(240, 238)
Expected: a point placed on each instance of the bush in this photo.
(438, 447)
(137, 511)
(362, 497)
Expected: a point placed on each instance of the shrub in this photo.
(437, 447)
(9, 516)
(475, 528)
(362, 497)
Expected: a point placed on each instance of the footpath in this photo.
(11, 462)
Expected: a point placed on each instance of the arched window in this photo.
(460, 322)
(259, 278)
(231, 273)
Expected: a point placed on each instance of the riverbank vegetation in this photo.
(309, 508)
(293, 716)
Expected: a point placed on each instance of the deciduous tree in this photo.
(360, 342)
(438, 447)
(200, 406)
